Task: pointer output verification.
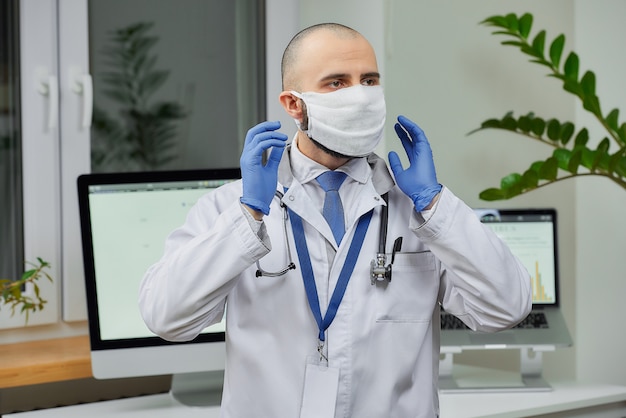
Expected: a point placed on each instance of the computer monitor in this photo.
(125, 220)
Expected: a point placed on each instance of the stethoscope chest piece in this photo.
(380, 271)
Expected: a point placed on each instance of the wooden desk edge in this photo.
(44, 361)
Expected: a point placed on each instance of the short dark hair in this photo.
(291, 51)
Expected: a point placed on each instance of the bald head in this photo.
(293, 53)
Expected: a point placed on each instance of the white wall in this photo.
(600, 225)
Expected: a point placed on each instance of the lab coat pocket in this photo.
(411, 294)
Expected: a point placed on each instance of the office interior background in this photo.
(440, 68)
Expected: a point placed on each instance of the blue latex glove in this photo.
(259, 181)
(419, 181)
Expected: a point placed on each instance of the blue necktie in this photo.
(333, 209)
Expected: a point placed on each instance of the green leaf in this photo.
(513, 43)
(620, 167)
(601, 157)
(492, 194)
(499, 21)
(509, 123)
(572, 86)
(588, 83)
(556, 49)
(570, 67)
(510, 180)
(574, 161)
(612, 119)
(511, 20)
(567, 131)
(581, 138)
(539, 43)
(491, 123)
(592, 104)
(549, 169)
(588, 157)
(524, 24)
(530, 179)
(538, 126)
(536, 166)
(524, 123)
(562, 157)
(28, 274)
(621, 133)
(503, 32)
(542, 61)
(554, 129)
(614, 160)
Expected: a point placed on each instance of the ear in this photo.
(291, 104)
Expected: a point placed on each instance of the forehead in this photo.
(325, 52)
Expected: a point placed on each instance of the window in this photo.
(11, 245)
(202, 84)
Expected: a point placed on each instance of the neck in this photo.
(308, 148)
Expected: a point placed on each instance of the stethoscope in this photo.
(380, 270)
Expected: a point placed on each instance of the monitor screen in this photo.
(125, 220)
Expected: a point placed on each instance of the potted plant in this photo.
(143, 134)
(571, 155)
(13, 294)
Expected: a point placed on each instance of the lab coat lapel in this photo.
(299, 201)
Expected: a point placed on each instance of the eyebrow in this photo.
(372, 74)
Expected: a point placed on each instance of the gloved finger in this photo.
(274, 158)
(394, 163)
(260, 128)
(411, 127)
(262, 140)
(417, 134)
(257, 149)
(407, 144)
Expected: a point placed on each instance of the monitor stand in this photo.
(202, 389)
(530, 380)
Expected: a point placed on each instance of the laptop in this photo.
(531, 234)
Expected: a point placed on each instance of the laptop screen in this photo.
(531, 236)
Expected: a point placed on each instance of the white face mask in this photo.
(349, 121)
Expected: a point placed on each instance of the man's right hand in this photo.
(259, 181)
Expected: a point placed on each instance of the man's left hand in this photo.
(419, 180)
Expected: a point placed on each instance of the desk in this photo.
(152, 406)
(568, 399)
(45, 361)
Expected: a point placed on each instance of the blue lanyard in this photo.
(344, 276)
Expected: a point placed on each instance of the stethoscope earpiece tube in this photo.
(380, 271)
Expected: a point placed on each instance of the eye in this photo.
(370, 82)
(335, 84)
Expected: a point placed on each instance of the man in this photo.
(328, 338)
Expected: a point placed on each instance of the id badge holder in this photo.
(321, 381)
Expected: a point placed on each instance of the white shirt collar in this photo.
(305, 169)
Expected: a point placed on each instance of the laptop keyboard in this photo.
(533, 320)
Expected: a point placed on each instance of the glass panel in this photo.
(177, 83)
(11, 231)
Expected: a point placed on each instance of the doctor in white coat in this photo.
(336, 336)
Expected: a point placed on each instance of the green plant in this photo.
(144, 136)
(571, 156)
(11, 293)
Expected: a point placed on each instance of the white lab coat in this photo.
(384, 339)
